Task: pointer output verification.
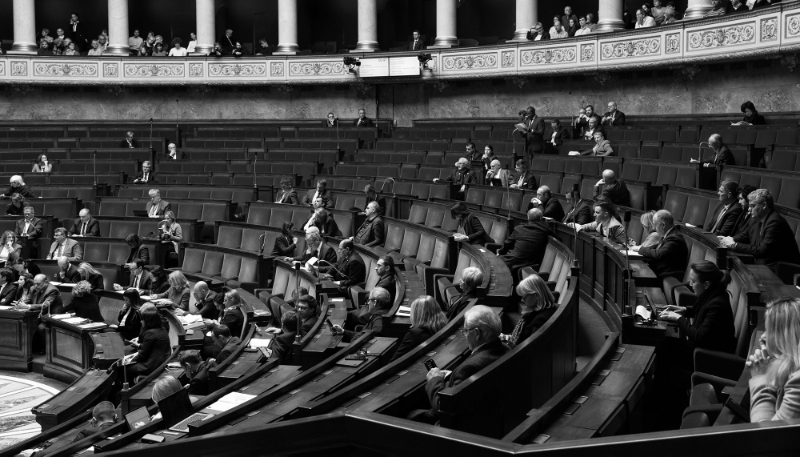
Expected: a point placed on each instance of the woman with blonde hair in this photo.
(427, 319)
(653, 238)
(537, 303)
(178, 292)
(775, 367)
(92, 276)
(84, 303)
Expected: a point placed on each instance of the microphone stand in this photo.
(628, 280)
(297, 289)
(332, 266)
(151, 137)
(337, 133)
(94, 169)
(700, 152)
(576, 196)
(262, 240)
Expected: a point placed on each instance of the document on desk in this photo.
(61, 316)
(631, 254)
(230, 401)
(260, 342)
(404, 311)
(6, 308)
(643, 312)
(75, 320)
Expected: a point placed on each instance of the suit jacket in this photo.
(154, 350)
(163, 207)
(12, 210)
(289, 198)
(72, 250)
(207, 307)
(560, 135)
(87, 307)
(614, 232)
(534, 137)
(283, 247)
(712, 324)
(742, 224)
(618, 118)
(475, 231)
(70, 276)
(146, 281)
(381, 204)
(327, 199)
(49, 298)
(481, 357)
(365, 122)
(282, 347)
(532, 35)
(133, 144)
(582, 212)
(600, 149)
(728, 221)
(528, 180)
(328, 124)
(526, 245)
(669, 256)
(151, 177)
(140, 253)
(327, 227)
(233, 317)
(229, 349)
(414, 337)
(355, 272)
(8, 294)
(617, 192)
(133, 324)
(25, 191)
(722, 157)
(34, 231)
(389, 283)
(325, 253)
(418, 46)
(228, 44)
(92, 227)
(552, 209)
(459, 178)
(374, 323)
(199, 383)
(770, 240)
(503, 175)
(96, 282)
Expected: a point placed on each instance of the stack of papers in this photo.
(643, 312)
(93, 325)
(630, 253)
(6, 308)
(261, 312)
(75, 320)
(61, 316)
(230, 401)
(260, 342)
(404, 311)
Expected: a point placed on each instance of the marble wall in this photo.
(771, 89)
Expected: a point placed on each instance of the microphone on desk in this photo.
(700, 151)
(384, 183)
(334, 268)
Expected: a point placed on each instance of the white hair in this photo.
(483, 317)
(16, 178)
(472, 276)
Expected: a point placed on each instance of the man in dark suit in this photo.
(140, 279)
(727, 212)
(482, 329)
(315, 248)
(103, 416)
(461, 176)
(363, 120)
(29, 226)
(331, 121)
(228, 42)
(613, 189)
(742, 223)
(63, 246)
(533, 134)
(384, 267)
(147, 175)
(580, 211)
(66, 272)
(722, 153)
(416, 42)
(320, 192)
(769, 239)
(85, 225)
(526, 245)
(526, 179)
(670, 256)
(156, 207)
(556, 138)
(379, 303)
(206, 301)
(371, 233)
(76, 32)
(287, 195)
(8, 288)
(43, 296)
(582, 121)
(129, 141)
(613, 116)
(227, 344)
(229, 312)
(549, 205)
(349, 269)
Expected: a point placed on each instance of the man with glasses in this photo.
(378, 303)
(769, 238)
(482, 331)
(727, 212)
(550, 206)
(461, 176)
(371, 233)
(349, 269)
(64, 247)
(315, 250)
(669, 257)
(156, 207)
(526, 178)
(147, 175)
(613, 116)
(331, 121)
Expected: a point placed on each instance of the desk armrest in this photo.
(718, 363)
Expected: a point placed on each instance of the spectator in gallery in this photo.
(670, 15)
(102, 42)
(416, 43)
(159, 39)
(177, 50)
(658, 12)
(263, 48)
(643, 20)
(149, 44)
(190, 48)
(238, 50)
(71, 50)
(558, 31)
(572, 27)
(159, 50)
(59, 34)
(583, 27)
(44, 49)
(567, 16)
(228, 42)
(363, 120)
(537, 33)
(217, 51)
(738, 6)
(42, 165)
(45, 35)
(135, 42)
(590, 21)
(718, 8)
(751, 116)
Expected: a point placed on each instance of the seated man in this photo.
(29, 226)
(287, 195)
(557, 137)
(315, 249)
(769, 237)
(580, 210)
(140, 280)
(363, 120)
(324, 221)
(349, 270)
(471, 279)
(549, 205)
(602, 147)
(229, 313)
(85, 225)
(526, 245)
(322, 192)
(172, 152)
(722, 153)
(103, 416)
(282, 342)
(66, 272)
(331, 121)
(147, 175)
(461, 176)
(207, 301)
(482, 329)
(17, 186)
(379, 303)
(669, 257)
(371, 233)
(384, 267)
(156, 208)
(525, 179)
(497, 172)
(195, 369)
(613, 116)
(129, 141)
(44, 296)
(372, 196)
(727, 212)
(63, 246)
(592, 126)
(613, 189)
(605, 223)
(221, 335)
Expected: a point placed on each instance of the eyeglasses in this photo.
(465, 331)
(372, 300)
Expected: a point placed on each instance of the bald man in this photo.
(66, 272)
(613, 189)
(44, 296)
(85, 225)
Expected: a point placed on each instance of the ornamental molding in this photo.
(65, 70)
(470, 62)
(276, 69)
(633, 48)
(735, 35)
(551, 56)
(507, 59)
(133, 70)
(110, 70)
(792, 22)
(317, 69)
(237, 70)
(672, 43)
(195, 70)
(587, 52)
(769, 29)
(19, 68)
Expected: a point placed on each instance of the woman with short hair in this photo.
(537, 303)
(285, 243)
(648, 227)
(469, 228)
(129, 318)
(471, 279)
(427, 319)
(751, 116)
(178, 292)
(84, 303)
(8, 246)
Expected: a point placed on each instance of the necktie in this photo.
(719, 218)
(145, 177)
(153, 210)
(136, 282)
(60, 250)
(83, 229)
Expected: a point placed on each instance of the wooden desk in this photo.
(770, 285)
(16, 336)
(642, 273)
(69, 350)
(325, 343)
(635, 332)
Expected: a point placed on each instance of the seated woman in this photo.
(17, 186)
(171, 230)
(471, 278)
(153, 347)
(8, 246)
(130, 321)
(178, 292)
(653, 238)
(42, 165)
(92, 276)
(24, 285)
(751, 116)
(84, 303)
(427, 318)
(285, 243)
(470, 228)
(160, 281)
(8, 287)
(195, 369)
(17, 206)
(177, 50)
(138, 250)
(538, 305)
(775, 367)
(159, 50)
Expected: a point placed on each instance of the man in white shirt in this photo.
(192, 42)
(135, 42)
(584, 27)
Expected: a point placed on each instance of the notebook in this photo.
(137, 418)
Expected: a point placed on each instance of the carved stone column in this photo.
(287, 28)
(445, 24)
(118, 28)
(610, 19)
(367, 26)
(206, 24)
(24, 28)
(697, 9)
(527, 15)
